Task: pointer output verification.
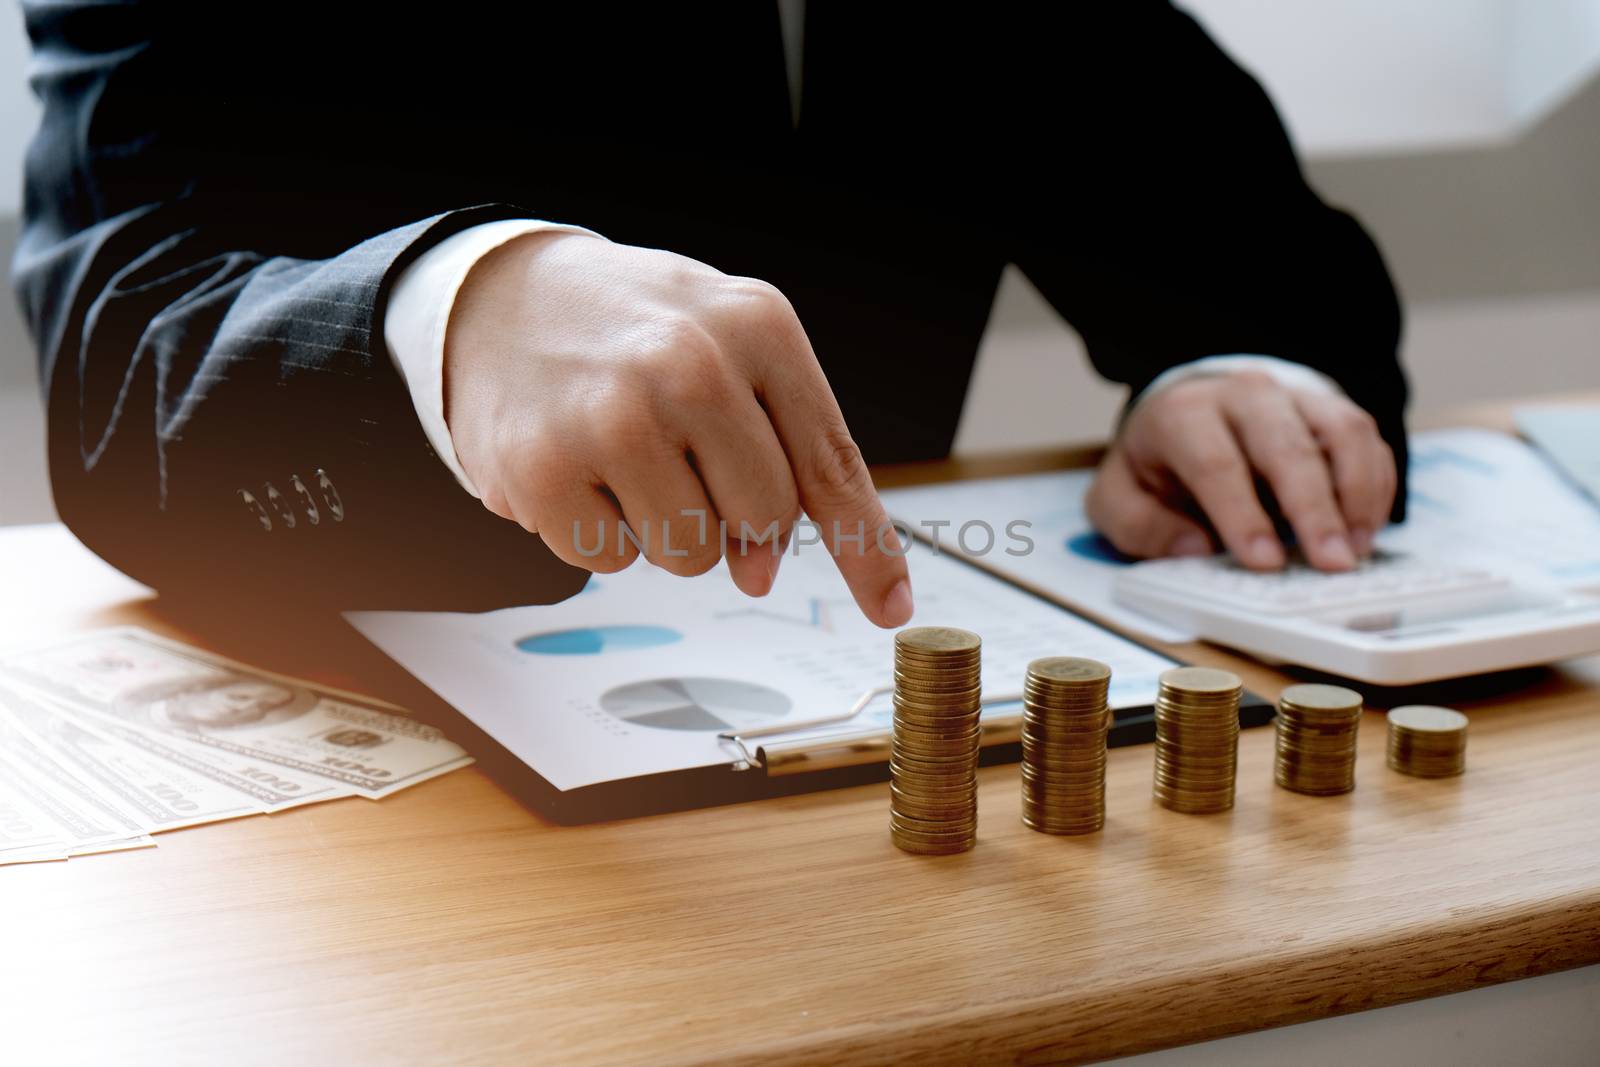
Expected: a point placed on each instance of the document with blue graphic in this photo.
(1476, 497)
(641, 673)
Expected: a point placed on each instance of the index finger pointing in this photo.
(835, 489)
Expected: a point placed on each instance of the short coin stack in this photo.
(1317, 739)
(1064, 723)
(933, 760)
(1426, 741)
(1197, 739)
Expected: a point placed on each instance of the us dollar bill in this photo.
(158, 793)
(27, 835)
(37, 764)
(273, 787)
(195, 708)
(79, 822)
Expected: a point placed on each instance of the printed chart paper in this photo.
(1475, 497)
(639, 673)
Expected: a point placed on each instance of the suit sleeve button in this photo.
(256, 509)
(330, 496)
(280, 506)
(307, 504)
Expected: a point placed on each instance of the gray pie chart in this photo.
(696, 704)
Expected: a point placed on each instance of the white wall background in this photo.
(1554, 46)
(19, 111)
(1357, 77)
(1466, 133)
(1379, 75)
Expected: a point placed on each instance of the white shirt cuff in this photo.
(1288, 374)
(419, 311)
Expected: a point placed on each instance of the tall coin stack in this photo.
(1197, 739)
(933, 758)
(1317, 727)
(1064, 723)
(1426, 741)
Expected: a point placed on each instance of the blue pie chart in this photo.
(1092, 546)
(593, 640)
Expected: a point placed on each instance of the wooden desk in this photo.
(447, 924)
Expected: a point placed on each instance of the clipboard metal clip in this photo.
(750, 755)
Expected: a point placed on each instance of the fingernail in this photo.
(1192, 543)
(1263, 552)
(1336, 551)
(774, 559)
(897, 606)
(1361, 538)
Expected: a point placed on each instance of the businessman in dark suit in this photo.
(324, 297)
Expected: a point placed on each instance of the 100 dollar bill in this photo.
(157, 792)
(277, 739)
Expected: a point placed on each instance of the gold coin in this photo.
(927, 843)
(938, 747)
(937, 640)
(920, 849)
(1069, 669)
(1427, 719)
(915, 807)
(934, 713)
(1318, 697)
(1201, 680)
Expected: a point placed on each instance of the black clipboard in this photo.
(740, 781)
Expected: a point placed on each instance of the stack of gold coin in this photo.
(1064, 723)
(933, 757)
(1197, 739)
(1426, 741)
(1317, 739)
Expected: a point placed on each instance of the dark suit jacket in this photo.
(221, 196)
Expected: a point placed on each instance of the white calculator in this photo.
(1395, 620)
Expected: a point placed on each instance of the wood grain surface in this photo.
(448, 924)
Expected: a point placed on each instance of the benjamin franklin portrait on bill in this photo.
(215, 702)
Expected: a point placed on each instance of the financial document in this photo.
(642, 671)
(1063, 556)
(1491, 500)
(1475, 497)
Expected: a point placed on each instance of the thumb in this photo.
(1135, 520)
